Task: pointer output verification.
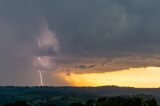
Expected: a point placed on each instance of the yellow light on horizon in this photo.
(148, 77)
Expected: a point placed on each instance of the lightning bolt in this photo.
(41, 62)
(46, 38)
(41, 78)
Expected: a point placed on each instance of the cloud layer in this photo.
(94, 36)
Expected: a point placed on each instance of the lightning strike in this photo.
(41, 78)
(45, 39)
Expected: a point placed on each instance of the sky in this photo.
(80, 43)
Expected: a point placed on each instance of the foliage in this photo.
(76, 104)
(17, 103)
(126, 101)
(70, 96)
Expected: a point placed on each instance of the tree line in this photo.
(104, 101)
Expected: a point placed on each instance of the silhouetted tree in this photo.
(101, 102)
(17, 103)
(152, 102)
(20, 103)
(51, 105)
(126, 101)
(89, 103)
(76, 104)
(9, 104)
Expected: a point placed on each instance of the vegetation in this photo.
(107, 101)
(126, 101)
(17, 103)
(70, 96)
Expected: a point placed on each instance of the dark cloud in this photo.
(85, 66)
(104, 27)
(92, 29)
(99, 27)
(45, 51)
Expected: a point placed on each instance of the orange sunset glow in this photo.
(134, 77)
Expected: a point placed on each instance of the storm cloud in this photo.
(111, 34)
(106, 27)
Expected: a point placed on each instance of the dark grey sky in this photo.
(106, 29)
